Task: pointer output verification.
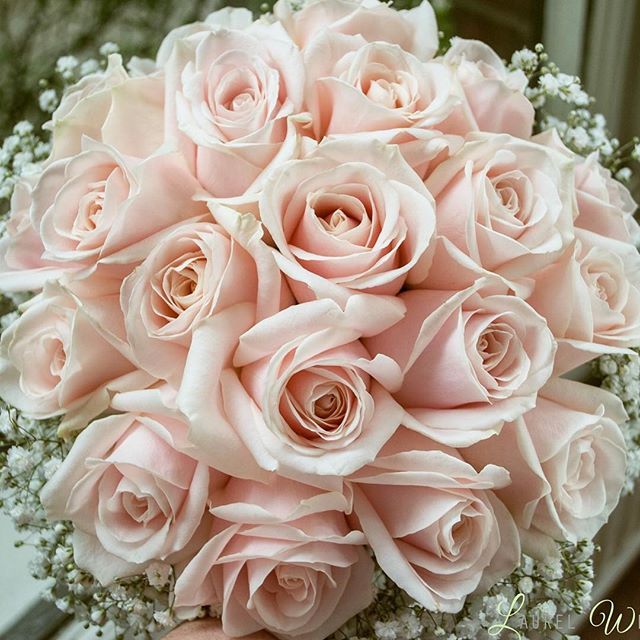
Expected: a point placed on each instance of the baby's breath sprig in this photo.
(583, 131)
(620, 374)
(20, 155)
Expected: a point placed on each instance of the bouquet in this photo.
(291, 313)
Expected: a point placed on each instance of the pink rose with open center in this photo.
(598, 281)
(433, 522)
(352, 217)
(281, 557)
(195, 271)
(567, 463)
(385, 86)
(98, 202)
(471, 360)
(506, 203)
(131, 493)
(297, 390)
(50, 355)
(234, 95)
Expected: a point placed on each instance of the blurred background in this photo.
(598, 40)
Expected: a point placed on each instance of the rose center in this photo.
(604, 286)
(514, 200)
(581, 467)
(242, 101)
(328, 406)
(320, 408)
(182, 284)
(140, 508)
(58, 360)
(390, 94)
(90, 208)
(493, 346)
(340, 213)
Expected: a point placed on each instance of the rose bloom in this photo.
(195, 271)
(234, 92)
(567, 463)
(471, 360)
(385, 86)
(99, 202)
(120, 108)
(414, 30)
(55, 360)
(604, 205)
(131, 493)
(433, 522)
(298, 390)
(281, 557)
(22, 267)
(597, 280)
(352, 217)
(506, 203)
(494, 97)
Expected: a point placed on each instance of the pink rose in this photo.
(281, 557)
(352, 217)
(604, 205)
(494, 97)
(471, 360)
(22, 267)
(598, 281)
(300, 392)
(195, 271)
(567, 463)
(414, 30)
(234, 94)
(99, 202)
(385, 86)
(49, 359)
(131, 493)
(433, 522)
(506, 203)
(121, 109)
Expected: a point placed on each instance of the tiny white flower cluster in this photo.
(30, 453)
(20, 155)
(581, 130)
(133, 607)
(66, 67)
(620, 374)
(546, 80)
